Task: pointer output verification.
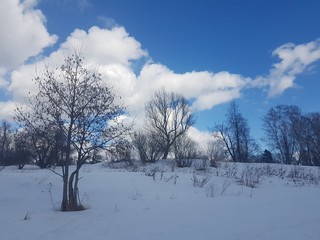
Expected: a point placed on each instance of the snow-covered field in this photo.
(125, 204)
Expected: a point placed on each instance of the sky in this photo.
(257, 53)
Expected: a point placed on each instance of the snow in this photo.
(124, 205)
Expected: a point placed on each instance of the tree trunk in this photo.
(73, 203)
(167, 147)
(166, 153)
(76, 192)
(65, 203)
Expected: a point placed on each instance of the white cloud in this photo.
(7, 110)
(23, 32)
(21, 82)
(294, 59)
(3, 81)
(208, 100)
(23, 35)
(105, 46)
(206, 88)
(111, 51)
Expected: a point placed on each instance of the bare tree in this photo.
(236, 135)
(169, 117)
(15, 147)
(185, 151)
(306, 131)
(216, 150)
(6, 138)
(314, 140)
(22, 153)
(185, 148)
(280, 134)
(146, 146)
(78, 105)
(121, 151)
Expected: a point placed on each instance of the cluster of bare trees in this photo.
(14, 146)
(294, 137)
(169, 117)
(40, 146)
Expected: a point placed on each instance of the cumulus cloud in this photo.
(23, 35)
(206, 88)
(208, 100)
(23, 32)
(294, 59)
(7, 110)
(105, 46)
(21, 82)
(111, 51)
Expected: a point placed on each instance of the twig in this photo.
(55, 172)
(27, 217)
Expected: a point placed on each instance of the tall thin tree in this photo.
(235, 134)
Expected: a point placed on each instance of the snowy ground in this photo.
(130, 205)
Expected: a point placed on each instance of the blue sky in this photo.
(186, 41)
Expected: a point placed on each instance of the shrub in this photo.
(250, 176)
(182, 163)
(211, 190)
(230, 170)
(200, 165)
(200, 181)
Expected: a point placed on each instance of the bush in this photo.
(230, 170)
(199, 181)
(299, 175)
(200, 165)
(147, 147)
(250, 176)
(182, 163)
(214, 163)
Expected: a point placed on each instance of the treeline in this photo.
(14, 146)
(42, 147)
(292, 137)
(74, 119)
